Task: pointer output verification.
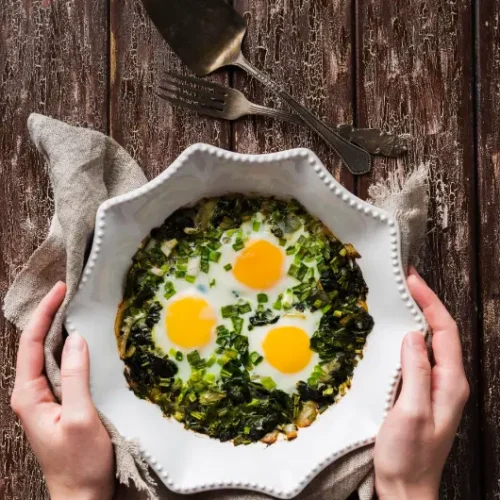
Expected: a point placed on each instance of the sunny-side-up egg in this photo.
(285, 349)
(190, 316)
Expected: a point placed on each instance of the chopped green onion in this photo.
(256, 358)
(326, 308)
(292, 271)
(189, 278)
(229, 311)
(262, 298)
(278, 305)
(228, 267)
(237, 324)
(204, 265)
(180, 274)
(256, 225)
(215, 245)
(212, 283)
(172, 352)
(222, 331)
(169, 290)
(282, 242)
(338, 314)
(210, 378)
(290, 250)
(211, 360)
(214, 256)
(301, 272)
(268, 383)
(343, 252)
(244, 308)
(238, 245)
(195, 360)
(179, 356)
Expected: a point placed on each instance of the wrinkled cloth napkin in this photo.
(85, 169)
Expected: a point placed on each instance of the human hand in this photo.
(69, 440)
(416, 437)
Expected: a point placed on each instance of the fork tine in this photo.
(198, 93)
(193, 107)
(216, 87)
(187, 96)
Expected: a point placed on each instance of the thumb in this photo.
(76, 400)
(415, 394)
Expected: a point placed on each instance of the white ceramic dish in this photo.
(188, 462)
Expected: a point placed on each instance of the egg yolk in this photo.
(286, 348)
(259, 265)
(190, 322)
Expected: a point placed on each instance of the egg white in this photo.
(227, 290)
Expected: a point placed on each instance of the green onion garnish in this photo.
(268, 383)
(214, 256)
(169, 290)
(256, 358)
(237, 324)
(238, 245)
(229, 311)
(262, 298)
(244, 308)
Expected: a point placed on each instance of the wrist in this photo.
(80, 495)
(404, 491)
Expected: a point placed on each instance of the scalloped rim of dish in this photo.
(338, 190)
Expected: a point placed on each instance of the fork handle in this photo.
(257, 109)
(356, 159)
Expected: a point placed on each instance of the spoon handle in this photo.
(357, 160)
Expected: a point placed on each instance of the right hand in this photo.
(416, 437)
(69, 440)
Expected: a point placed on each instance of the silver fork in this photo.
(220, 101)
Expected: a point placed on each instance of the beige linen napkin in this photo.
(85, 169)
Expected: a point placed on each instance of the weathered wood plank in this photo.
(488, 57)
(414, 75)
(151, 130)
(306, 46)
(53, 60)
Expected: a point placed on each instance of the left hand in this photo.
(69, 440)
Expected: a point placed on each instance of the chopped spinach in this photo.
(238, 405)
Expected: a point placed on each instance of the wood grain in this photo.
(488, 59)
(306, 46)
(151, 130)
(414, 64)
(53, 60)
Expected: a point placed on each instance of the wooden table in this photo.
(426, 67)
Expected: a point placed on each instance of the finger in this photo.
(445, 338)
(415, 395)
(76, 400)
(30, 357)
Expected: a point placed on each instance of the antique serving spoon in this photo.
(207, 35)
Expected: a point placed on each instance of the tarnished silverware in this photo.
(207, 35)
(220, 101)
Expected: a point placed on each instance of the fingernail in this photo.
(412, 278)
(415, 341)
(74, 343)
